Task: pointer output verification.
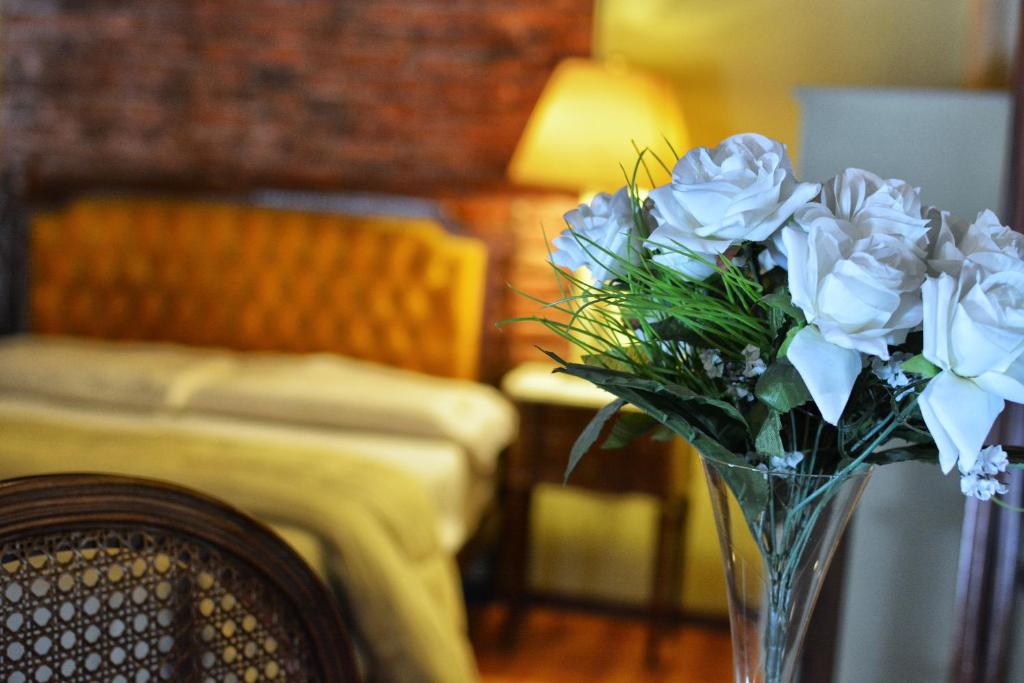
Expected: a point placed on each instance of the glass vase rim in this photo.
(863, 469)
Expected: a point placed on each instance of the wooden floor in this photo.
(557, 646)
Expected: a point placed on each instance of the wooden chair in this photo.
(123, 580)
(990, 568)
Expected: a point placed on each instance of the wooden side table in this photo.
(554, 409)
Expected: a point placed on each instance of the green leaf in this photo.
(629, 427)
(919, 365)
(585, 441)
(784, 348)
(781, 301)
(607, 379)
(781, 388)
(766, 424)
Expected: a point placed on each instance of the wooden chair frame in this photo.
(34, 506)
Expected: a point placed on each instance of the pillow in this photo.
(126, 374)
(332, 391)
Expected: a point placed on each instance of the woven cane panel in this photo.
(396, 291)
(137, 605)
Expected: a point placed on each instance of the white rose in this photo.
(742, 190)
(952, 240)
(887, 207)
(601, 236)
(859, 287)
(860, 293)
(974, 332)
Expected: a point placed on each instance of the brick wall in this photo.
(407, 95)
(420, 97)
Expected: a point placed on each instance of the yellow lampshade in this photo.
(582, 131)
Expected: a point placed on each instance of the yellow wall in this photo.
(738, 61)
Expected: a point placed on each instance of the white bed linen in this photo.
(317, 390)
(344, 393)
(132, 376)
(458, 494)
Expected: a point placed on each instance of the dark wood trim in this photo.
(13, 258)
(1016, 193)
(676, 616)
(991, 538)
(970, 591)
(42, 504)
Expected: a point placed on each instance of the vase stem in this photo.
(777, 533)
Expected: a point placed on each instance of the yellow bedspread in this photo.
(376, 525)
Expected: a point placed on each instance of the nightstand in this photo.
(554, 409)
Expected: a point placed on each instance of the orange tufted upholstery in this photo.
(393, 290)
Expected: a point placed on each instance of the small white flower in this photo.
(982, 488)
(739, 391)
(753, 364)
(990, 462)
(787, 462)
(891, 371)
(780, 464)
(712, 362)
(599, 234)
(981, 480)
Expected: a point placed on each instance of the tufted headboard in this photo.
(399, 291)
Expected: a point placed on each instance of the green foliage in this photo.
(766, 424)
(629, 427)
(919, 365)
(588, 437)
(781, 388)
(780, 307)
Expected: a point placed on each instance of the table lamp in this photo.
(582, 132)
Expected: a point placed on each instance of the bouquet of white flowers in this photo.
(790, 329)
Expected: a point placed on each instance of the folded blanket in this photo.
(376, 525)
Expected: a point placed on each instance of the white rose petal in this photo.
(829, 371)
(952, 241)
(944, 233)
(600, 235)
(959, 415)
(742, 190)
(888, 207)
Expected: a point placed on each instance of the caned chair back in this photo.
(122, 580)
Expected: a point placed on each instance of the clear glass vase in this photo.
(777, 533)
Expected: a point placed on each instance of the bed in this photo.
(315, 369)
